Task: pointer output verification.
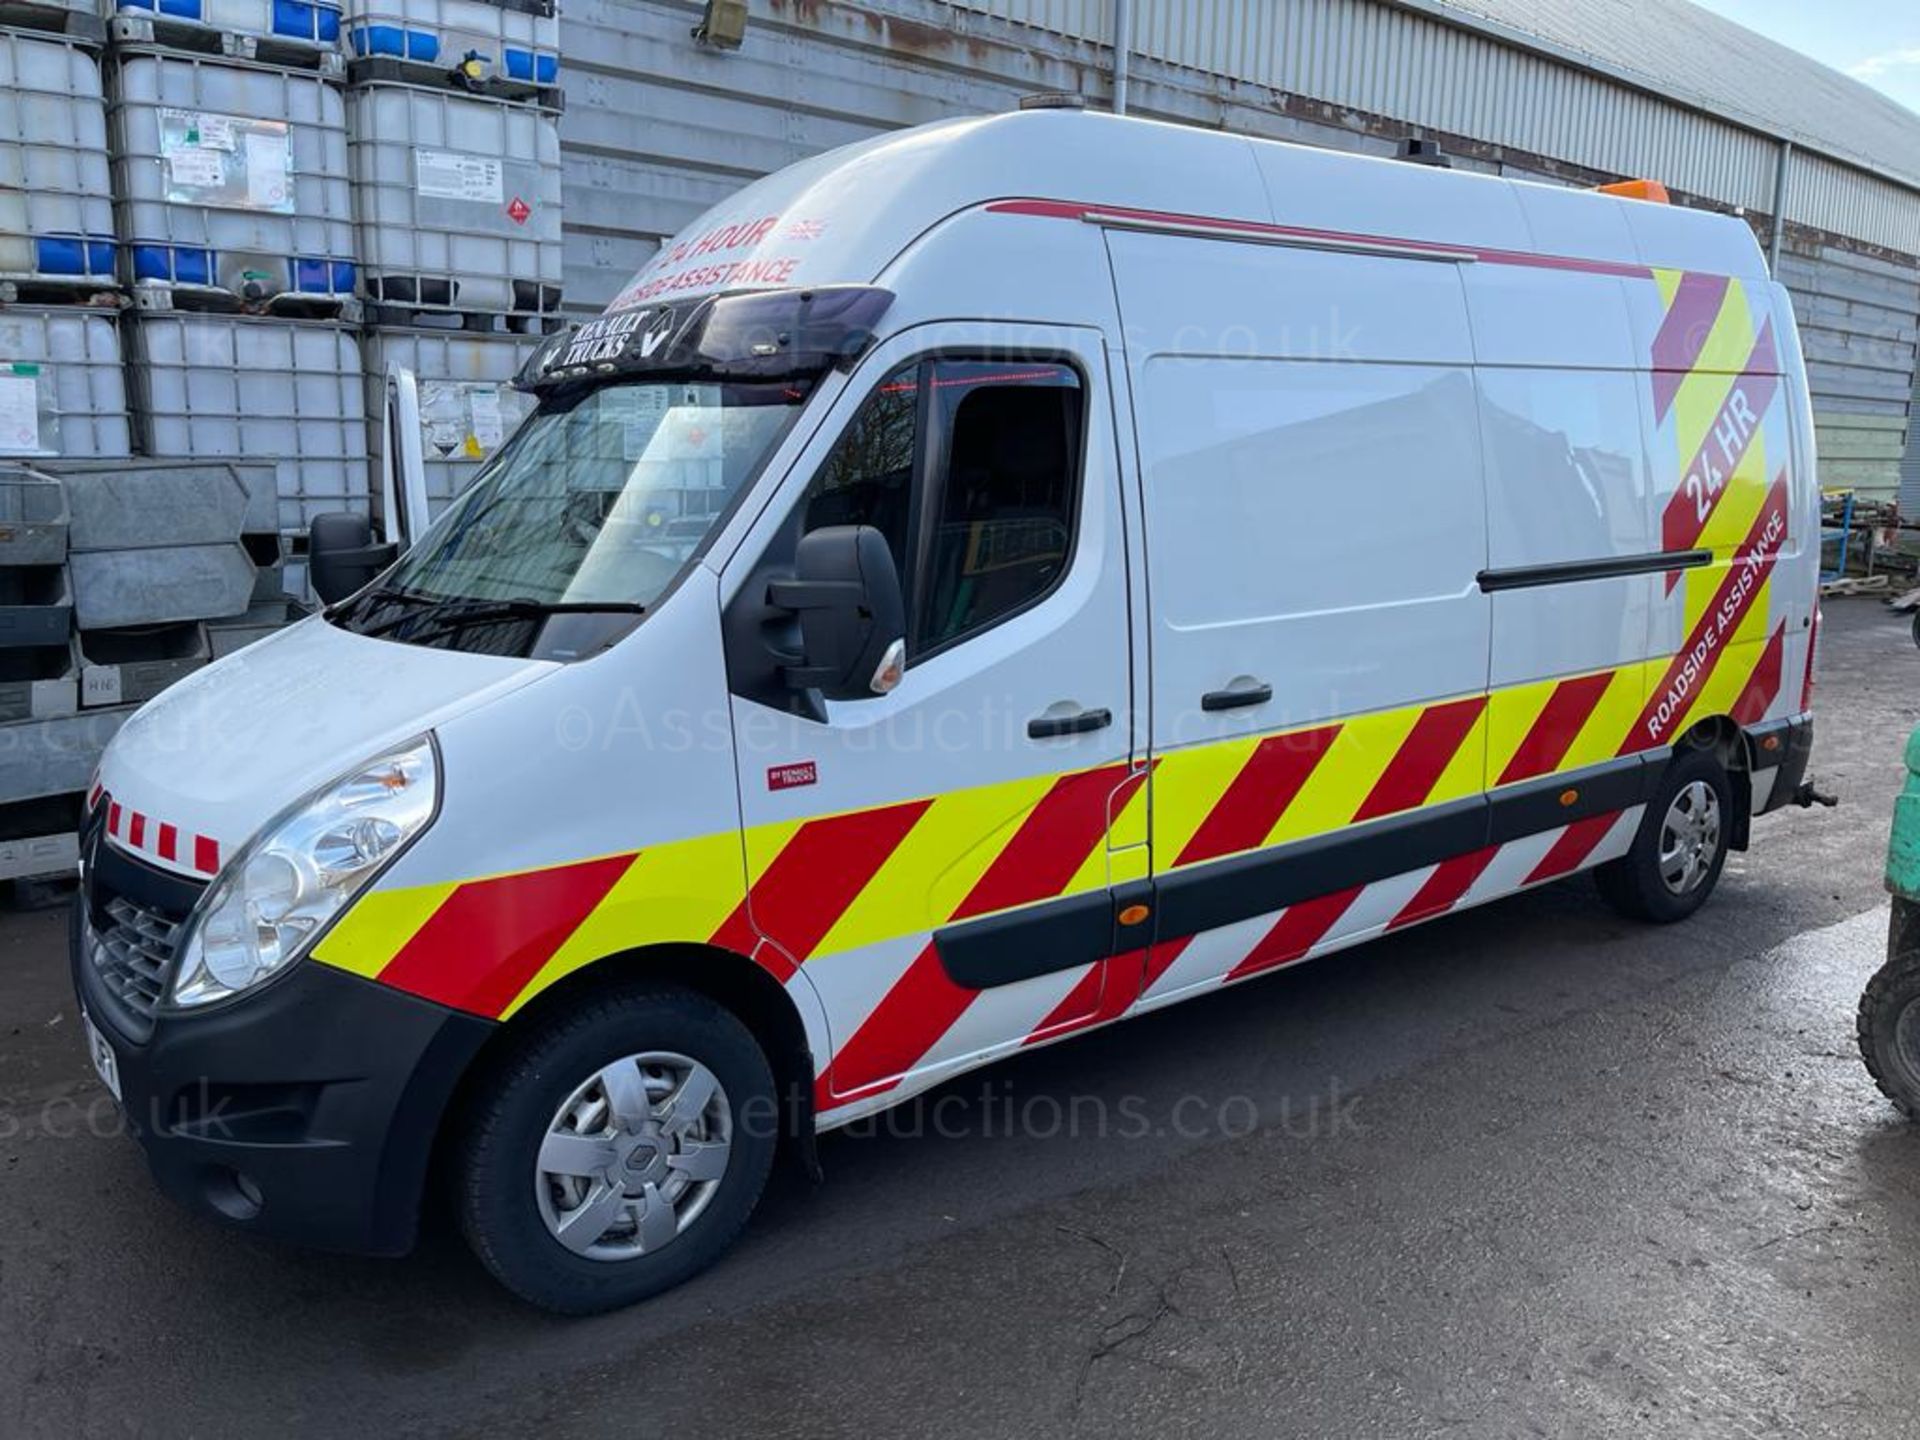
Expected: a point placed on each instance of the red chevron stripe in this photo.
(1416, 768)
(1160, 958)
(1683, 335)
(816, 876)
(1745, 580)
(490, 937)
(1259, 795)
(1551, 735)
(1703, 482)
(1571, 850)
(1442, 890)
(1106, 992)
(1763, 686)
(1045, 853)
(1299, 928)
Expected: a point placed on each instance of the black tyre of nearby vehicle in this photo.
(1889, 1020)
(1681, 845)
(591, 1093)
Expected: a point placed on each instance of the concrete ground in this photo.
(1531, 1170)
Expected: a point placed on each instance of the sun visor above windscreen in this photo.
(762, 334)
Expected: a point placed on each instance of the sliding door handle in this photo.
(1046, 727)
(1237, 696)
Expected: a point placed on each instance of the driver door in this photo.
(937, 857)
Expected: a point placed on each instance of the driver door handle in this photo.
(1046, 727)
(1236, 697)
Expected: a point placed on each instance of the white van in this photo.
(974, 586)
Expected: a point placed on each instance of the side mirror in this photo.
(853, 621)
(342, 556)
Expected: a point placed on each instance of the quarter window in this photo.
(971, 471)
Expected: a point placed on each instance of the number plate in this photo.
(104, 1063)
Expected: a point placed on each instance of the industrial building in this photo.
(658, 126)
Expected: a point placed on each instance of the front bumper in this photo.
(306, 1112)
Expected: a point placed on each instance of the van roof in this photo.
(844, 216)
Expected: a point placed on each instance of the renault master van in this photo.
(974, 586)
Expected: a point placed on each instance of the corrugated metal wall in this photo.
(658, 128)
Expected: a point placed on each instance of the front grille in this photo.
(132, 914)
(133, 951)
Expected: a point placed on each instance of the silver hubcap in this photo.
(633, 1156)
(1690, 838)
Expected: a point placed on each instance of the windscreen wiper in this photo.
(453, 615)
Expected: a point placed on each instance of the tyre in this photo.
(1889, 1019)
(1681, 845)
(616, 1149)
(1916, 627)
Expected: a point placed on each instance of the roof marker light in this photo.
(1649, 190)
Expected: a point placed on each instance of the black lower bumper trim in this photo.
(1784, 747)
(306, 1112)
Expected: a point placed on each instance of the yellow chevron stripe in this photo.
(377, 925)
(931, 871)
(683, 891)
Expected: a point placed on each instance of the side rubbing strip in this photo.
(1611, 567)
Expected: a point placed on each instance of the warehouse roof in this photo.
(1700, 58)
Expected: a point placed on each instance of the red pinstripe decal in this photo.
(819, 873)
(1071, 210)
(137, 830)
(1416, 767)
(490, 937)
(1764, 684)
(1299, 928)
(1672, 699)
(1052, 843)
(1442, 890)
(1728, 440)
(169, 842)
(1683, 334)
(1551, 735)
(1570, 851)
(113, 819)
(206, 855)
(1259, 795)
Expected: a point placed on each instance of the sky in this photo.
(1877, 41)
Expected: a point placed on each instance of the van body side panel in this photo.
(1315, 523)
(1569, 493)
(1723, 475)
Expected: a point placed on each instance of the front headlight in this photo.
(303, 869)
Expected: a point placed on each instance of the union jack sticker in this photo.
(806, 229)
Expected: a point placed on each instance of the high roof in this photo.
(1697, 57)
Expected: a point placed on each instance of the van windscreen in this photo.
(584, 520)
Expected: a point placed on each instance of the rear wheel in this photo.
(1681, 845)
(617, 1149)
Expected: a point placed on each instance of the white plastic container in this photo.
(457, 200)
(312, 23)
(232, 182)
(468, 405)
(62, 389)
(289, 391)
(513, 40)
(56, 206)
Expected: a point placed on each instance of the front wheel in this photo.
(1681, 845)
(617, 1149)
(1889, 1019)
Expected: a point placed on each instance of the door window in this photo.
(971, 470)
